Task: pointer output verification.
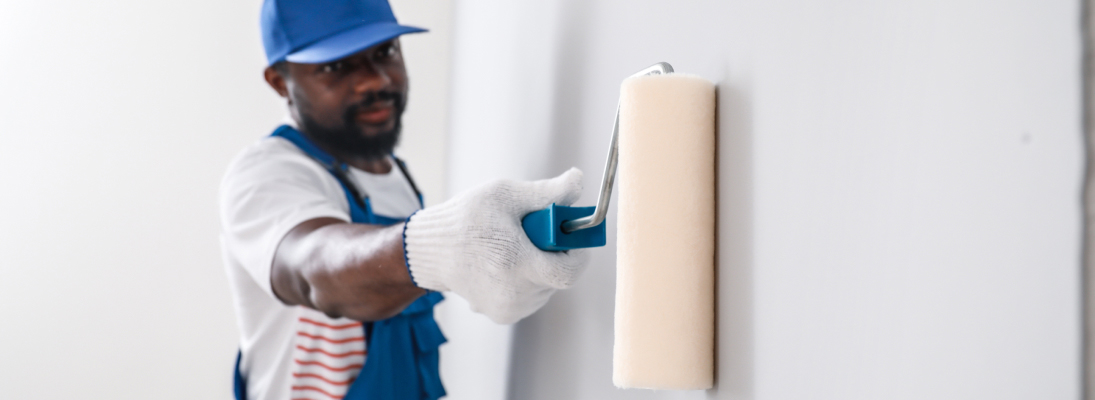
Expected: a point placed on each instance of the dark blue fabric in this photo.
(407, 368)
(239, 386)
(403, 350)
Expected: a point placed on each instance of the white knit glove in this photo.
(474, 245)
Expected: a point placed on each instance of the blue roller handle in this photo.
(544, 229)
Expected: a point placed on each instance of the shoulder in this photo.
(272, 152)
(271, 158)
(275, 170)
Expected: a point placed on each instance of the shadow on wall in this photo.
(547, 345)
(734, 365)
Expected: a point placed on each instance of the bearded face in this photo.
(350, 107)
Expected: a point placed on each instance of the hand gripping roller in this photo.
(559, 228)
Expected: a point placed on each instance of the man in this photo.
(335, 269)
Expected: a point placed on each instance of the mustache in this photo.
(372, 98)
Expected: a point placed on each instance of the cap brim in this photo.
(344, 44)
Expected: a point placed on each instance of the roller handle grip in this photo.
(545, 229)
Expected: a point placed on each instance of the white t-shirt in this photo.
(269, 188)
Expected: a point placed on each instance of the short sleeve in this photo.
(268, 189)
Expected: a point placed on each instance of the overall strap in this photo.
(239, 385)
(403, 168)
(360, 210)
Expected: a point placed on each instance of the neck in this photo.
(372, 165)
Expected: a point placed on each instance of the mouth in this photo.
(377, 114)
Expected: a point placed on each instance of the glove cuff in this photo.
(428, 242)
(406, 259)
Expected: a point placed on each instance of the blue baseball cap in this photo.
(319, 31)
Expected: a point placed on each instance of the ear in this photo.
(276, 81)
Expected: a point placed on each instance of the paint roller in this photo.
(663, 141)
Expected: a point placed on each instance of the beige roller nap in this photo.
(665, 319)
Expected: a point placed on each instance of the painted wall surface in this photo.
(119, 118)
(898, 186)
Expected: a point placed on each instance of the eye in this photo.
(387, 51)
(332, 67)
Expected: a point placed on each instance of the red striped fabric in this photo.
(331, 395)
(347, 354)
(327, 356)
(320, 377)
(325, 325)
(328, 367)
(327, 339)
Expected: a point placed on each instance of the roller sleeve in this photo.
(665, 293)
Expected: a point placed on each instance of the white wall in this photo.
(424, 142)
(120, 117)
(898, 185)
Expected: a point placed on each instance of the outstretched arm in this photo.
(355, 271)
(472, 245)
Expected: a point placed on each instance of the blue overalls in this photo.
(403, 350)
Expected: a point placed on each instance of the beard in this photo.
(349, 137)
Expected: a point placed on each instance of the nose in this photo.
(370, 77)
